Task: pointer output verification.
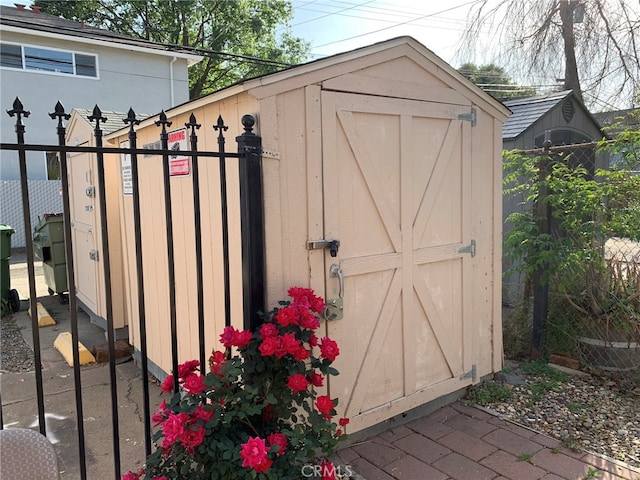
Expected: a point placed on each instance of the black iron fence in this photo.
(573, 233)
(249, 189)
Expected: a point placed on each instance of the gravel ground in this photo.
(593, 413)
(15, 355)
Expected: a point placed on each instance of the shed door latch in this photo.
(332, 245)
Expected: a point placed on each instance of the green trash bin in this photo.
(49, 246)
(7, 295)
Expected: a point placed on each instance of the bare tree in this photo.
(592, 46)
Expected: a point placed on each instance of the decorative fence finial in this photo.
(164, 122)
(131, 120)
(192, 124)
(59, 113)
(97, 117)
(19, 111)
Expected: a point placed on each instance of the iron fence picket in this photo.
(60, 115)
(250, 190)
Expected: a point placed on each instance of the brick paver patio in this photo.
(458, 442)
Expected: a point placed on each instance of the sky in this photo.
(334, 26)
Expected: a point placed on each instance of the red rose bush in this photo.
(255, 414)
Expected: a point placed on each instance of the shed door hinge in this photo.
(471, 248)
(470, 374)
(470, 117)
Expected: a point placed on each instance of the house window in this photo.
(10, 55)
(47, 60)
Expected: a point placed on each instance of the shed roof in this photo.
(43, 24)
(114, 120)
(527, 111)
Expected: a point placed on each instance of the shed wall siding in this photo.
(154, 250)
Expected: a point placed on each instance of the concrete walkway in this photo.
(458, 442)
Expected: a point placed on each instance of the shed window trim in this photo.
(39, 59)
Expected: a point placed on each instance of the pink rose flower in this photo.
(254, 455)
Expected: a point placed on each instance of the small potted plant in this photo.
(256, 414)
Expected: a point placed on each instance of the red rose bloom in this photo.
(297, 383)
(191, 437)
(308, 320)
(343, 422)
(278, 439)
(167, 384)
(172, 428)
(287, 316)
(290, 344)
(328, 470)
(325, 405)
(242, 339)
(306, 297)
(187, 368)
(159, 416)
(202, 414)
(329, 349)
(281, 347)
(227, 335)
(268, 330)
(316, 379)
(254, 455)
(268, 346)
(194, 384)
(313, 340)
(301, 353)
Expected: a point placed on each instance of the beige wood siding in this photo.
(154, 247)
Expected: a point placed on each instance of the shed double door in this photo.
(396, 193)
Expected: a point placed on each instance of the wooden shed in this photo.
(393, 153)
(86, 234)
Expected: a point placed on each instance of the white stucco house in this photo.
(45, 59)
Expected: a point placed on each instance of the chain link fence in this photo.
(572, 245)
